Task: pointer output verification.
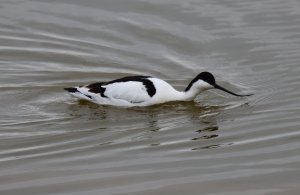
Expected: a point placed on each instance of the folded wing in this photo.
(131, 91)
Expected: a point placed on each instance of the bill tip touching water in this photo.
(144, 90)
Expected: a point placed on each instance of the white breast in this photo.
(164, 92)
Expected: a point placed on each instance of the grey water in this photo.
(219, 144)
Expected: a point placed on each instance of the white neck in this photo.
(187, 95)
(193, 91)
(167, 93)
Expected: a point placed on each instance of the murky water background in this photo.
(53, 144)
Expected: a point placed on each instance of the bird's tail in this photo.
(79, 93)
(71, 89)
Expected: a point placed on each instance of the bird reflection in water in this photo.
(168, 125)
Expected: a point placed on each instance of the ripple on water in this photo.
(219, 144)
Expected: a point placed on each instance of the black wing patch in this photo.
(97, 88)
(144, 79)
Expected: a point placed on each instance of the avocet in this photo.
(144, 90)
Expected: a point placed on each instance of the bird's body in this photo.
(142, 91)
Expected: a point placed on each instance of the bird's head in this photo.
(205, 81)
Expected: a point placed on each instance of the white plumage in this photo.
(143, 91)
(131, 91)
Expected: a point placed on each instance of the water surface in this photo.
(219, 144)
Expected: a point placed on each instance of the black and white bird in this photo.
(144, 91)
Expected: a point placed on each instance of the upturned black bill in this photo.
(223, 89)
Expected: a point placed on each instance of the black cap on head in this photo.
(207, 77)
(204, 76)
